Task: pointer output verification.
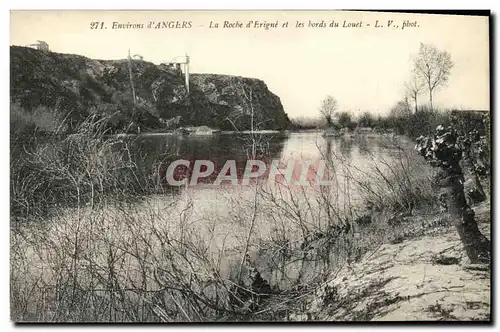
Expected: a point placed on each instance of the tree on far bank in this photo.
(328, 108)
(433, 67)
(399, 117)
(413, 89)
(400, 110)
(345, 120)
(366, 120)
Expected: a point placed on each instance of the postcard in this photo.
(250, 166)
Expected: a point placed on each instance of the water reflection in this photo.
(154, 153)
(345, 147)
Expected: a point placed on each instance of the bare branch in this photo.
(433, 67)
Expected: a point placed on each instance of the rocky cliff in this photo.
(74, 86)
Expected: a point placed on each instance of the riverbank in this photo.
(207, 131)
(203, 131)
(425, 278)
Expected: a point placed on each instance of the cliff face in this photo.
(75, 86)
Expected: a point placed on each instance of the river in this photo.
(224, 218)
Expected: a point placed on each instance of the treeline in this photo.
(401, 120)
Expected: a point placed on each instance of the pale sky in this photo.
(363, 68)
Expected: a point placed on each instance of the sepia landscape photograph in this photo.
(249, 166)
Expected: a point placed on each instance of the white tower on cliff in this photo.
(183, 61)
(186, 72)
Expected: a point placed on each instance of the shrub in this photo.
(399, 182)
(81, 168)
(41, 119)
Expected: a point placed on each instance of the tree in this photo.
(442, 150)
(413, 89)
(344, 119)
(400, 110)
(328, 108)
(366, 120)
(399, 117)
(352, 125)
(432, 67)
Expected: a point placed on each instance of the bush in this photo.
(81, 168)
(41, 120)
(401, 182)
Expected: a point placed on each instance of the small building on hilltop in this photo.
(39, 45)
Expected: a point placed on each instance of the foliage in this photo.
(344, 119)
(48, 171)
(422, 122)
(303, 122)
(442, 150)
(400, 181)
(366, 120)
(328, 108)
(41, 120)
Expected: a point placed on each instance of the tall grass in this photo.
(397, 180)
(49, 169)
